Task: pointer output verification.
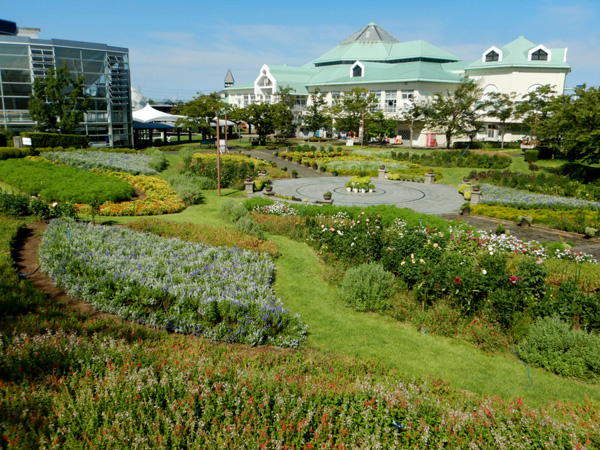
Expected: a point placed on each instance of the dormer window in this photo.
(357, 70)
(539, 55)
(492, 56)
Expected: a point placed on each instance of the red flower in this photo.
(456, 280)
(513, 279)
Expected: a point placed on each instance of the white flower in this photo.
(484, 271)
(54, 204)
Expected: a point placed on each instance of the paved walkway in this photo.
(424, 198)
(437, 199)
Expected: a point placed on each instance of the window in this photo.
(539, 55)
(492, 56)
(335, 97)
(377, 95)
(408, 95)
(356, 71)
(492, 131)
(390, 101)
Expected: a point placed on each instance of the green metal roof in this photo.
(383, 73)
(373, 43)
(516, 54)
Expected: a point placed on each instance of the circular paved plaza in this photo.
(420, 197)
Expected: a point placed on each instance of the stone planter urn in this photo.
(475, 195)
(249, 186)
(430, 177)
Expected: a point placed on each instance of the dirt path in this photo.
(26, 259)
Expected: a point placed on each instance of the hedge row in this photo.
(57, 140)
(13, 152)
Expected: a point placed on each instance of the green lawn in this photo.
(337, 329)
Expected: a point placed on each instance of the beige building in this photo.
(400, 73)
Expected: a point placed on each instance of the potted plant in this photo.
(315, 166)
(327, 195)
(334, 173)
(525, 220)
(294, 173)
(322, 168)
(465, 209)
(591, 232)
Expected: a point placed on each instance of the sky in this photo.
(179, 49)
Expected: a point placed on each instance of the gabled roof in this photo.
(516, 54)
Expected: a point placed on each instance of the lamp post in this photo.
(218, 158)
(226, 130)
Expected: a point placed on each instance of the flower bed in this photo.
(542, 183)
(204, 234)
(456, 159)
(234, 168)
(60, 183)
(575, 220)
(220, 293)
(160, 198)
(118, 162)
(496, 195)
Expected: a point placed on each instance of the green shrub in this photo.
(159, 160)
(14, 204)
(233, 211)
(57, 140)
(532, 155)
(13, 152)
(247, 226)
(368, 287)
(188, 188)
(553, 345)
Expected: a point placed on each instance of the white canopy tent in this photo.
(148, 114)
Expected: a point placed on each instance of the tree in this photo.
(265, 117)
(315, 117)
(456, 112)
(286, 100)
(378, 126)
(58, 102)
(536, 107)
(502, 107)
(200, 113)
(353, 109)
(413, 114)
(573, 122)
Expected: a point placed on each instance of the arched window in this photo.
(539, 55)
(492, 56)
(356, 71)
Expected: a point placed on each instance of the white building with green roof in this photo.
(401, 72)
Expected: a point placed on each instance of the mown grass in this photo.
(337, 329)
